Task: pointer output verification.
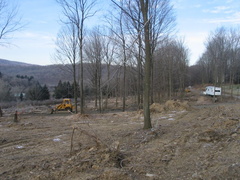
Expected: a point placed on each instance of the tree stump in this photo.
(15, 117)
(1, 113)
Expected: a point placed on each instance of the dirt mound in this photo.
(176, 105)
(204, 100)
(170, 105)
(156, 108)
(209, 135)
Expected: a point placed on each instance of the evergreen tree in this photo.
(21, 97)
(45, 93)
(57, 90)
(63, 90)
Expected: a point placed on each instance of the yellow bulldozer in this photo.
(66, 105)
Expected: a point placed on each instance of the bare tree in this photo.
(161, 24)
(5, 91)
(67, 53)
(234, 55)
(9, 21)
(170, 69)
(76, 13)
(117, 28)
(134, 26)
(95, 55)
(204, 69)
(220, 62)
(217, 52)
(156, 18)
(100, 51)
(147, 68)
(109, 50)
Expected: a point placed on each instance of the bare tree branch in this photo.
(10, 21)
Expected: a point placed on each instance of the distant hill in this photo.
(49, 75)
(4, 62)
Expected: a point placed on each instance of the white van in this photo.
(212, 91)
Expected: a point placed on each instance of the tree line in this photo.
(22, 88)
(220, 63)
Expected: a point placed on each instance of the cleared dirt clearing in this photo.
(186, 142)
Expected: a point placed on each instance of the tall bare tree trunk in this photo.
(81, 77)
(117, 90)
(124, 79)
(139, 65)
(147, 69)
(108, 86)
(96, 89)
(151, 84)
(75, 89)
(99, 86)
(139, 81)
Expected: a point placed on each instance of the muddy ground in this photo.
(197, 139)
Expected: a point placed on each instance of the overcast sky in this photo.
(195, 20)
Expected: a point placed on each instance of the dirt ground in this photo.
(197, 139)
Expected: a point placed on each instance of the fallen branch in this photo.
(94, 137)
